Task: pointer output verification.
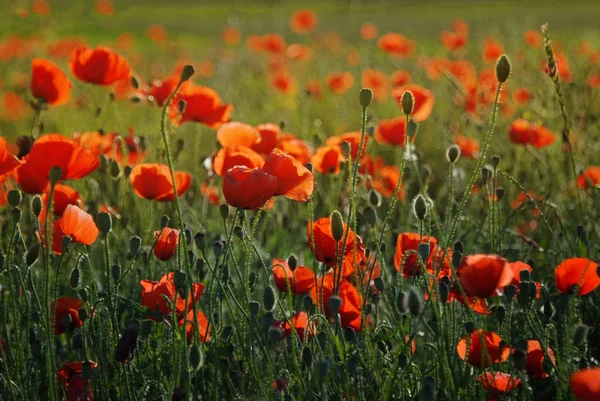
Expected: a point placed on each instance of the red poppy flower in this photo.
(391, 132)
(368, 31)
(269, 138)
(534, 39)
(327, 159)
(324, 246)
(300, 322)
(585, 384)
(400, 78)
(590, 177)
(14, 107)
(301, 279)
(166, 243)
(353, 138)
(492, 50)
(298, 52)
(385, 181)
(48, 82)
(350, 311)
(272, 43)
(54, 150)
(237, 133)
(294, 181)
(153, 292)
(231, 156)
(76, 224)
(248, 188)
(8, 162)
(562, 66)
(69, 376)
(313, 88)
(63, 196)
(202, 104)
(481, 341)
(66, 306)
(498, 384)
(453, 40)
(579, 272)
(231, 36)
(100, 66)
(525, 133)
(41, 7)
(478, 305)
(396, 45)
(203, 326)
(378, 82)
(535, 359)
(517, 267)
(157, 33)
(211, 193)
(295, 147)
(153, 181)
(522, 96)
(482, 275)
(304, 21)
(339, 82)
(469, 147)
(407, 263)
(423, 104)
(104, 7)
(160, 90)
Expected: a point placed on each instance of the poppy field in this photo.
(299, 201)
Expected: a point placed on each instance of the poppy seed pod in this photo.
(453, 153)
(187, 73)
(420, 207)
(503, 68)
(337, 226)
(365, 97)
(135, 243)
(408, 102)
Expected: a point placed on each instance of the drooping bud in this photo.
(503, 68)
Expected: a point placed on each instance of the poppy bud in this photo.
(334, 304)
(66, 320)
(495, 161)
(114, 169)
(32, 254)
(408, 102)
(374, 198)
(36, 205)
(453, 153)
(371, 131)
(456, 259)
(218, 247)
(14, 197)
(486, 173)
(469, 327)
(179, 279)
(420, 207)
(104, 222)
(127, 171)
(164, 221)
(200, 241)
(83, 294)
(580, 334)
(402, 302)
(292, 262)
(370, 216)
(239, 232)
(428, 390)
(115, 272)
(135, 243)
(411, 129)
(350, 334)
(548, 310)
(254, 308)
(322, 369)
(499, 193)
(346, 148)
(269, 298)
(503, 68)
(224, 210)
(55, 175)
(365, 97)
(510, 291)
(82, 314)
(74, 278)
(66, 241)
(195, 357)
(519, 359)
(307, 302)
(352, 365)
(379, 284)
(16, 215)
(274, 335)
(424, 250)
(415, 301)
(500, 313)
(444, 292)
(307, 357)
(523, 295)
(525, 275)
(337, 226)
(127, 343)
(187, 73)
(309, 166)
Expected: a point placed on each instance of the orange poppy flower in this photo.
(155, 292)
(62, 197)
(313, 88)
(423, 104)
(153, 181)
(350, 311)
(324, 246)
(385, 181)
(70, 376)
(294, 181)
(396, 45)
(14, 107)
(459, 25)
(63, 48)
(160, 90)
(203, 326)
(272, 43)
(76, 224)
(49, 83)
(590, 177)
(535, 359)
(41, 7)
(66, 306)
(391, 132)
(298, 52)
(400, 78)
(300, 322)
(534, 39)
(105, 7)
(8, 162)
(353, 138)
(562, 64)
(202, 104)
(492, 50)
(54, 150)
(478, 305)
(295, 147)
(269, 138)
(157, 33)
(498, 384)
(304, 21)
(115, 145)
(378, 82)
(211, 193)
(517, 267)
(327, 159)
(254, 43)
(237, 133)
(205, 68)
(579, 272)
(525, 133)
(248, 188)
(231, 36)
(284, 82)
(353, 58)
(235, 155)
(478, 356)
(100, 66)
(340, 82)
(521, 96)
(301, 279)
(469, 147)
(453, 40)
(406, 260)
(482, 275)
(585, 384)
(368, 31)
(166, 243)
